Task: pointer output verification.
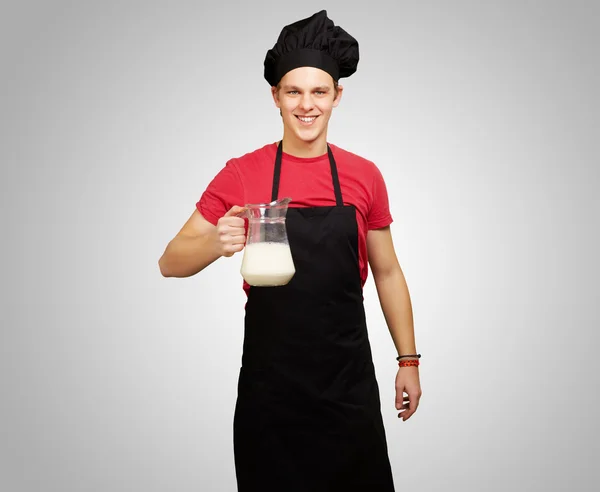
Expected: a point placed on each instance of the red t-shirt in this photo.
(249, 179)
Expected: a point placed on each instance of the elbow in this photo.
(390, 271)
(167, 264)
(161, 267)
(169, 267)
(164, 268)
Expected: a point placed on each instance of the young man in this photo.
(308, 417)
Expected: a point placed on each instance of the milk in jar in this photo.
(267, 264)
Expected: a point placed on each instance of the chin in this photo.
(308, 140)
(309, 136)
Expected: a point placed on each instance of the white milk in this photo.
(267, 264)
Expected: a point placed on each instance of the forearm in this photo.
(397, 309)
(187, 255)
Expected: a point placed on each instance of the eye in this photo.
(292, 92)
(319, 93)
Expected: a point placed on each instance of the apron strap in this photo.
(334, 175)
(277, 172)
(336, 180)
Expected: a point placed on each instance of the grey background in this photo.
(483, 118)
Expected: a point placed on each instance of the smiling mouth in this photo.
(307, 120)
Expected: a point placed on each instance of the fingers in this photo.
(232, 239)
(235, 210)
(409, 405)
(402, 405)
(229, 249)
(414, 403)
(231, 231)
(400, 399)
(231, 219)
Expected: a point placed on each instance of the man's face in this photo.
(306, 97)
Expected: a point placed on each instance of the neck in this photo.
(300, 148)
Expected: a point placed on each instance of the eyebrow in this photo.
(322, 88)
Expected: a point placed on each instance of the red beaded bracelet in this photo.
(408, 363)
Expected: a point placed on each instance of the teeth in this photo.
(307, 120)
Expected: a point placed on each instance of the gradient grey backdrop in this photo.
(483, 118)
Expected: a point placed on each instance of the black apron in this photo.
(308, 417)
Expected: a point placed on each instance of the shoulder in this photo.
(264, 154)
(354, 161)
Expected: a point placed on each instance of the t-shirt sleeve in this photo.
(379, 212)
(222, 193)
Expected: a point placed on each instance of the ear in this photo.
(275, 94)
(338, 98)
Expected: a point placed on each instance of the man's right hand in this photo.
(231, 232)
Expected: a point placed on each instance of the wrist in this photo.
(408, 357)
(408, 360)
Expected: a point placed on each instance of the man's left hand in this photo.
(407, 381)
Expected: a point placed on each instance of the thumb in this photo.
(399, 398)
(235, 210)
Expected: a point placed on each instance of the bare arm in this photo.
(199, 243)
(392, 289)
(397, 310)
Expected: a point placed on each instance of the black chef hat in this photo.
(312, 42)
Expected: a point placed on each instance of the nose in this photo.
(306, 102)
